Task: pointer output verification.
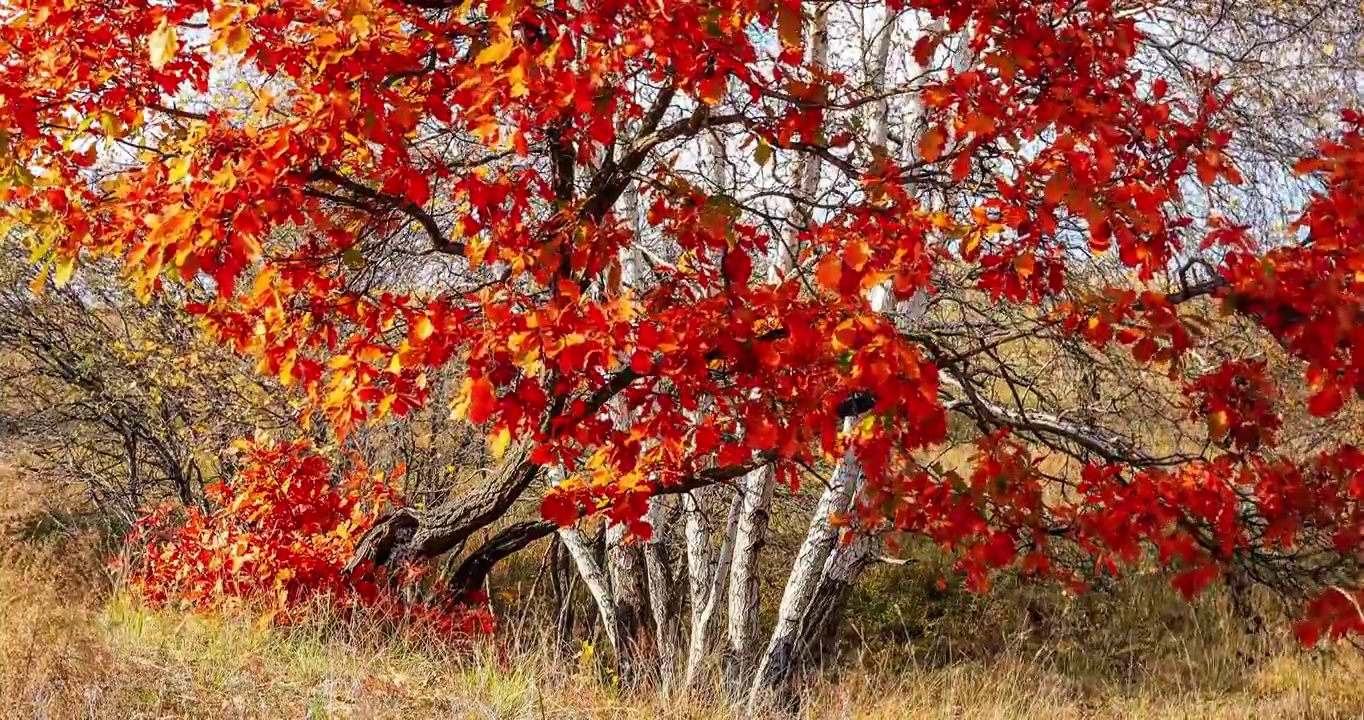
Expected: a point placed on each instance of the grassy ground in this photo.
(71, 646)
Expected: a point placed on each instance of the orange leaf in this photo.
(1218, 424)
(931, 144)
(856, 253)
(830, 272)
(711, 89)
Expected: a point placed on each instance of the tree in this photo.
(122, 400)
(678, 248)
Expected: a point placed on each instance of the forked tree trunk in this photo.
(775, 664)
(822, 575)
(597, 587)
(812, 567)
(819, 628)
(703, 635)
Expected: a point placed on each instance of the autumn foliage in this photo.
(500, 186)
(282, 533)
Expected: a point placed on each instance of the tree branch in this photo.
(438, 237)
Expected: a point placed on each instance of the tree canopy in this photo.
(675, 245)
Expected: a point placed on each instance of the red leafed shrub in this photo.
(285, 528)
(1239, 402)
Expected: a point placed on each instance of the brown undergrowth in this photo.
(72, 645)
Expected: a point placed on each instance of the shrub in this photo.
(284, 530)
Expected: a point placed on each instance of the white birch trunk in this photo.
(627, 561)
(595, 580)
(701, 557)
(703, 625)
(618, 590)
(818, 569)
(700, 552)
(805, 575)
(758, 485)
(755, 502)
(662, 598)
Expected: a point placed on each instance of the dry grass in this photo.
(71, 647)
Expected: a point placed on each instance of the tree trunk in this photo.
(563, 577)
(775, 663)
(751, 535)
(819, 629)
(590, 571)
(663, 596)
(700, 552)
(625, 563)
(473, 571)
(702, 629)
(405, 533)
(822, 577)
(625, 559)
(742, 650)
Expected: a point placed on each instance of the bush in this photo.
(285, 529)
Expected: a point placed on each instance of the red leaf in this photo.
(641, 362)
(418, 189)
(482, 399)
(1308, 633)
(1190, 583)
(559, 508)
(1327, 402)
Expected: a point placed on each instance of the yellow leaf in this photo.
(222, 16)
(495, 53)
(499, 441)
(177, 220)
(65, 267)
(517, 79)
(286, 370)
(360, 23)
(762, 154)
(238, 38)
(163, 44)
(179, 168)
(109, 123)
(424, 328)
